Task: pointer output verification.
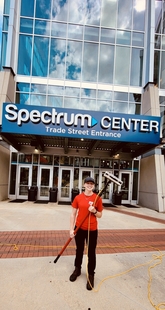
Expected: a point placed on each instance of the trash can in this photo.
(75, 192)
(53, 194)
(117, 198)
(32, 193)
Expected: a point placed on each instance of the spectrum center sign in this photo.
(71, 123)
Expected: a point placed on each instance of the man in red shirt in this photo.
(83, 204)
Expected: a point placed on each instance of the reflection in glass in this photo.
(55, 90)
(122, 67)
(76, 178)
(55, 101)
(162, 69)
(72, 91)
(73, 60)
(25, 55)
(109, 13)
(88, 93)
(43, 9)
(27, 8)
(105, 106)
(75, 32)
(134, 108)
(124, 14)
(87, 104)
(121, 96)
(77, 11)
(123, 37)
(139, 15)
(42, 27)
(104, 94)
(39, 100)
(22, 98)
(106, 63)
(34, 175)
(90, 62)
(25, 87)
(5, 23)
(71, 103)
(57, 58)
(40, 56)
(120, 107)
(136, 67)
(138, 39)
(92, 16)
(65, 183)
(156, 67)
(58, 30)
(38, 88)
(107, 35)
(26, 25)
(91, 34)
(24, 180)
(44, 187)
(60, 10)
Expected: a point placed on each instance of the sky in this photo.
(1, 15)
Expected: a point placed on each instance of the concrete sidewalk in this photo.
(39, 284)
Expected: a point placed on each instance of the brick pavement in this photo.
(16, 244)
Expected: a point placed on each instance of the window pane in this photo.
(90, 62)
(38, 88)
(162, 70)
(73, 60)
(124, 14)
(72, 91)
(57, 58)
(92, 16)
(156, 67)
(123, 37)
(138, 39)
(24, 59)
(136, 67)
(75, 32)
(121, 96)
(106, 63)
(42, 27)
(77, 11)
(139, 14)
(122, 67)
(134, 108)
(105, 106)
(55, 101)
(88, 93)
(104, 95)
(88, 104)
(71, 103)
(120, 107)
(60, 10)
(58, 30)
(5, 23)
(55, 90)
(25, 87)
(38, 100)
(91, 34)
(40, 56)
(27, 8)
(109, 13)
(22, 98)
(26, 25)
(107, 35)
(43, 8)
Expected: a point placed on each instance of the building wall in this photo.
(7, 90)
(4, 169)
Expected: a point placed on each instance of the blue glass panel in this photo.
(120, 107)
(75, 32)
(88, 93)
(5, 23)
(77, 12)
(6, 7)
(42, 27)
(38, 88)
(27, 8)
(122, 68)
(24, 52)
(26, 25)
(72, 91)
(93, 12)
(72, 103)
(74, 60)
(22, 98)
(135, 97)
(124, 17)
(43, 9)
(55, 101)
(90, 60)
(58, 30)
(120, 96)
(123, 37)
(162, 69)
(138, 39)
(104, 95)
(38, 100)
(57, 58)
(91, 34)
(107, 35)
(60, 9)
(87, 104)
(23, 87)
(106, 63)
(105, 106)
(40, 56)
(55, 90)
(3, 49)
(109, 13)
(136, 67)
(139, 15)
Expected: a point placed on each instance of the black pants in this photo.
(80, 238)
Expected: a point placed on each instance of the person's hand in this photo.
(92, 209)
(72, 233)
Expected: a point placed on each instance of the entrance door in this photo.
(45, 182)
(126, 187)
(84, 173)
(107, 194)
(65, 184)
(24, 181)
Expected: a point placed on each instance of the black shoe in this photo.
(90, 282)
(75, 274)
